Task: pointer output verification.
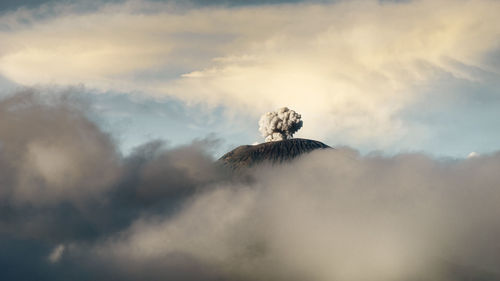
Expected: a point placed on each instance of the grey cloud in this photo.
(52, 152)
(332, 215)
(10, 5)
(63, 182)
(279, 125)
(63, 179)
(171, 213)
(13, 5)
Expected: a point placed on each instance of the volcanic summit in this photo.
(274, 152)
(277, 128)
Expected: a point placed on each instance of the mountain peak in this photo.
(273, 152)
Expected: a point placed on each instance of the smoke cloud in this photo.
(73, 208)
(279, 125)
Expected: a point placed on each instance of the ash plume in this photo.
(279, 125)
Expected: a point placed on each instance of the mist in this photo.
(74, 207)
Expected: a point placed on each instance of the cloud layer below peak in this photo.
(76, 209)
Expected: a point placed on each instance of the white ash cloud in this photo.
(280, 125)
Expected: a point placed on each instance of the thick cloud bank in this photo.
(73, 208)
(279, 125)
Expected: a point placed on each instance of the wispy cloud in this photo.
(349, 67)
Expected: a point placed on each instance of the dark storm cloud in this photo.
(11, 5)
(15, 4)
(73, 208)
(63, 181)
(52, 157)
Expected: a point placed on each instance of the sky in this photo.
(113, 115)
(390, 76)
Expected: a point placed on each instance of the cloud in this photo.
(56, 254)
(50, 151)
(348, 67)
(63, 178)
(280, 124)
(472, 154)
(172, 213)
(332, 215)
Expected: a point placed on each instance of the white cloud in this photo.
(56, 253)
(473, 154)
(349, 68)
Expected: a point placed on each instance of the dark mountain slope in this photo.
(273, 152)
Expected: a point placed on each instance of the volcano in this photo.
(274, 152)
